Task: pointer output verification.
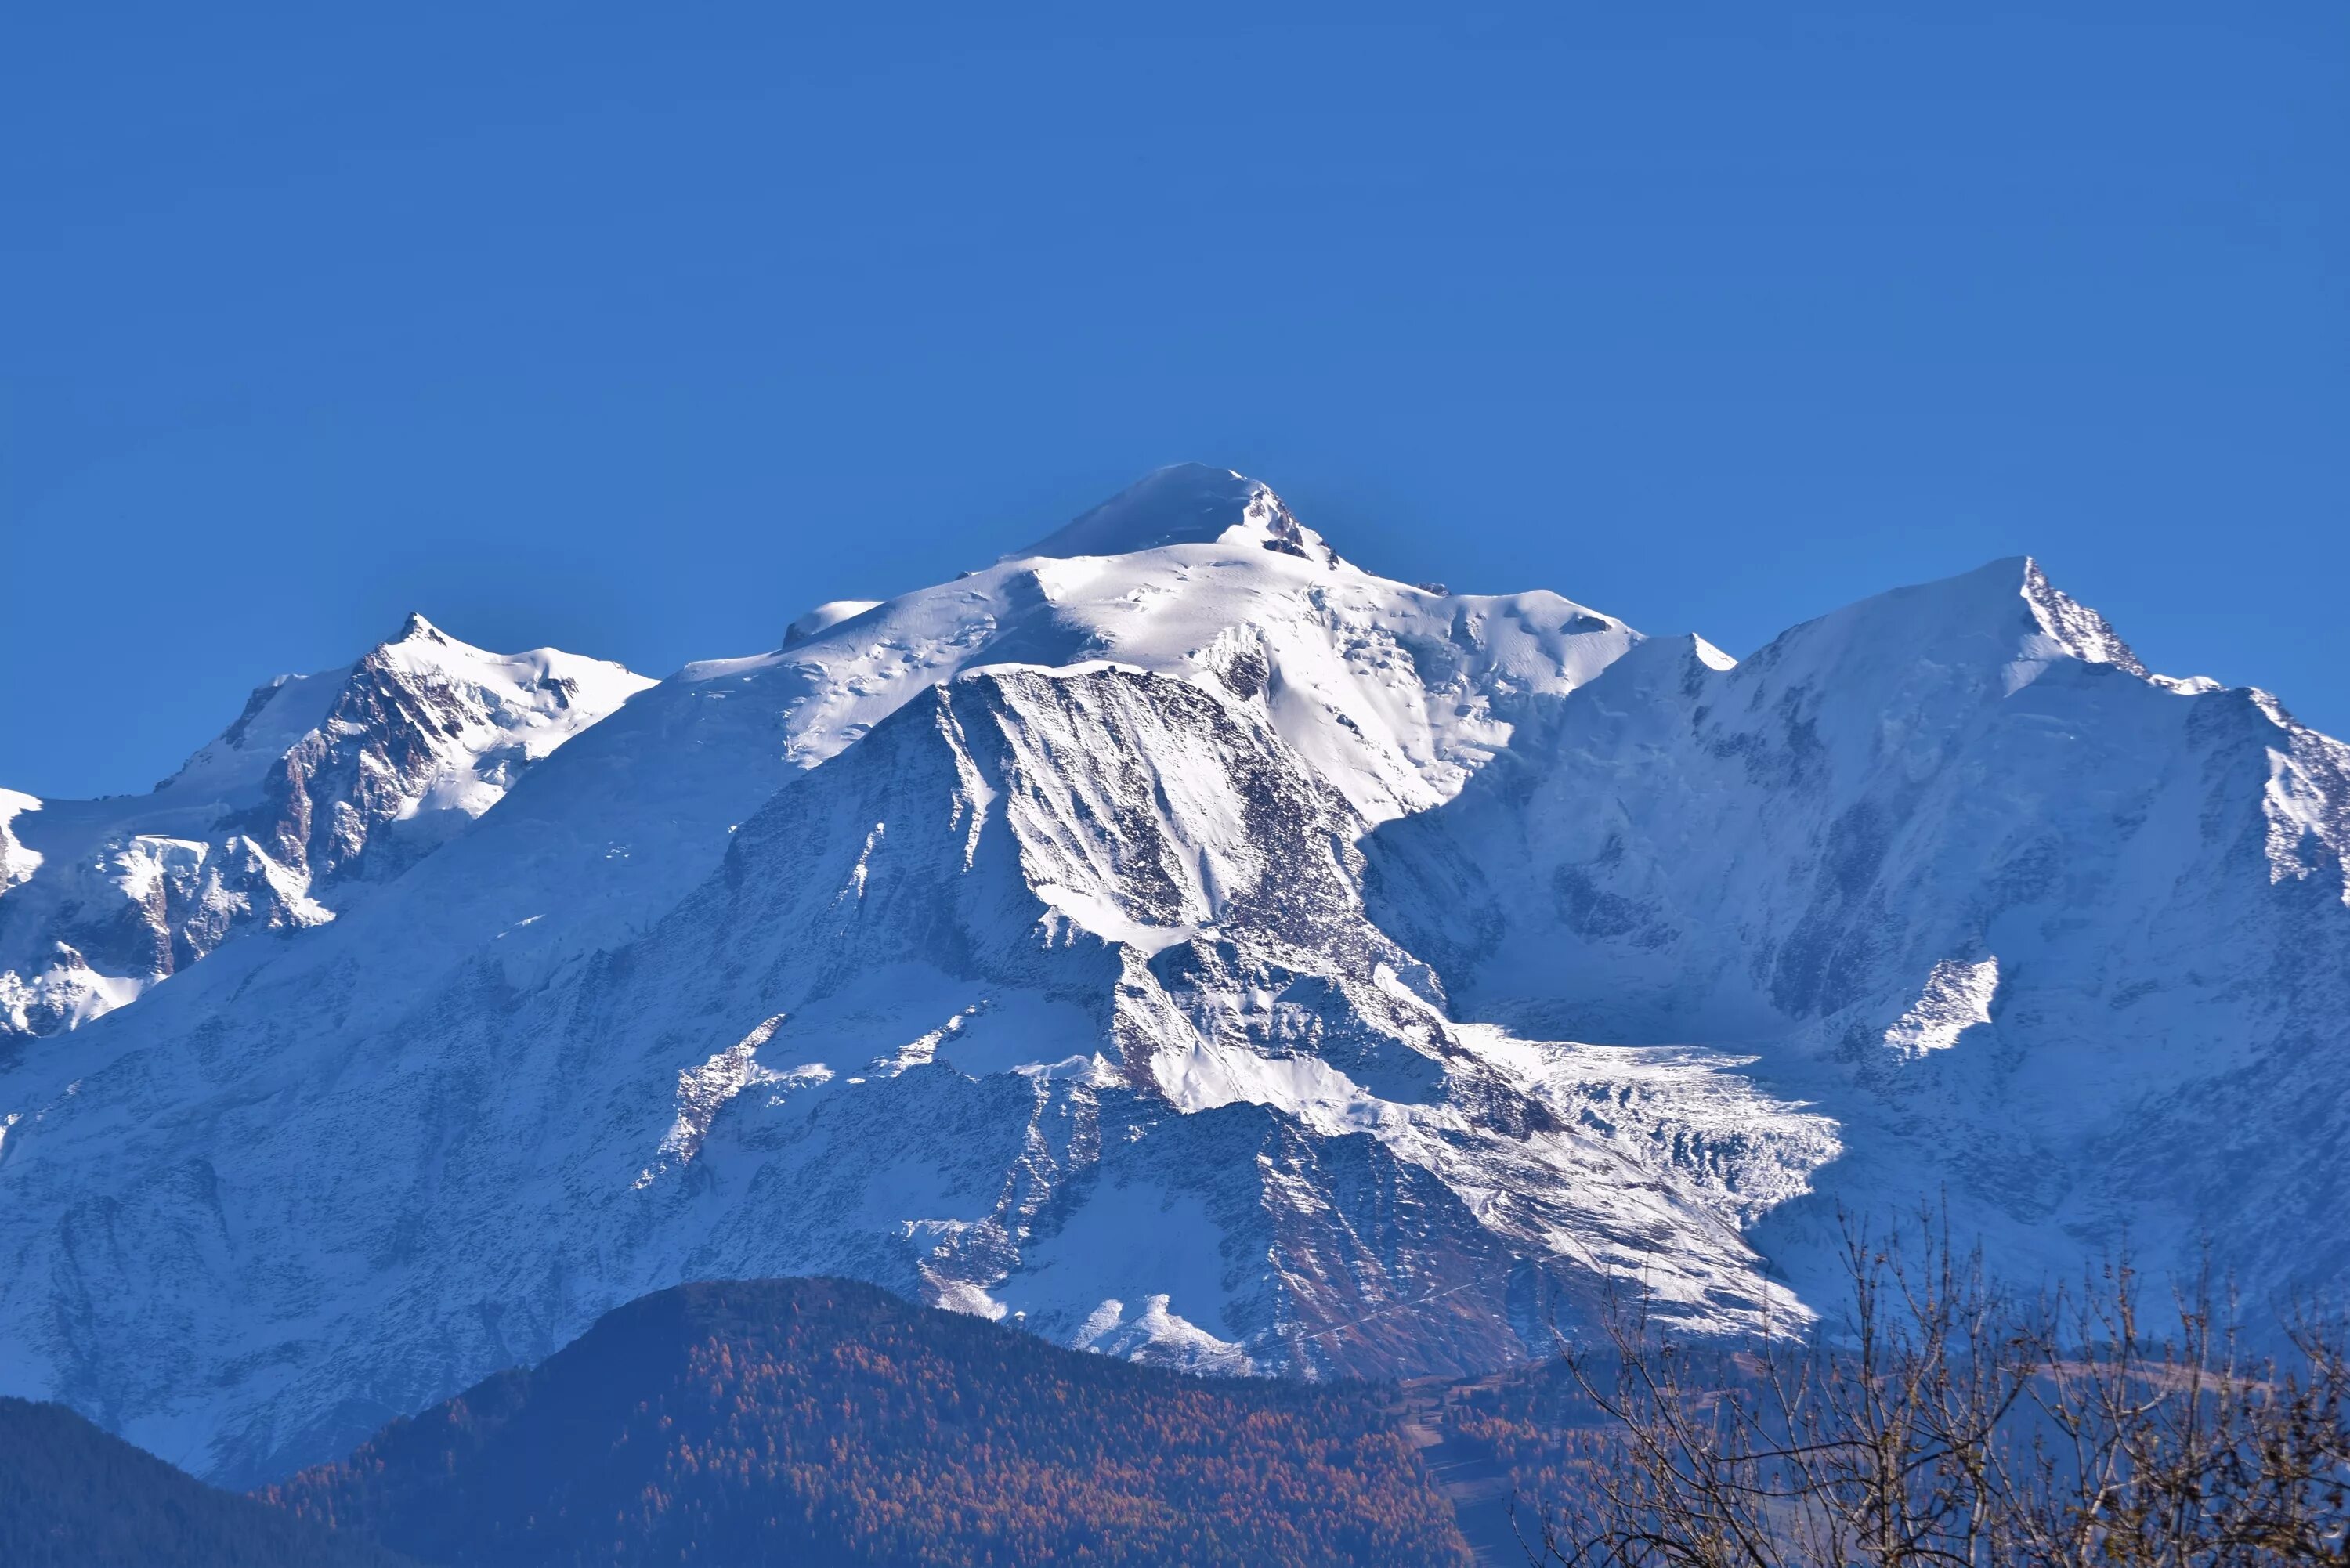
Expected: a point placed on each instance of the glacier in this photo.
(1177, 942)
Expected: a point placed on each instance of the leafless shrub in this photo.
(1947, 1423)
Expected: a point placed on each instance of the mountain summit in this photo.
(1185, 945)
(1188, 503)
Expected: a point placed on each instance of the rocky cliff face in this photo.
(1188, 945)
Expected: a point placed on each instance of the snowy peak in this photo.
(511, 685)
(338, 778)
(1187, 504)
(1981, 635)
(2038, 929)
(427, 733)
(1394, 693)
(417, 628)
(538, 690)
(284, 710)
(1975, 617)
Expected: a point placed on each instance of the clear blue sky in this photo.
(636, 331)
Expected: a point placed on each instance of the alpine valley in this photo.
(1170, 940)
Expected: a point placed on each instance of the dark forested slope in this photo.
(72, 1496)
(819, 1421)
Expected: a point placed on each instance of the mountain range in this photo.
(1171, 939)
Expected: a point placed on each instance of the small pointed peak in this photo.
(2004, 617)
(2084, 634)
(1187, 504)
(1682, 662)
(416, 628)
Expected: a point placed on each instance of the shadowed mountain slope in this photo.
(72, 1496)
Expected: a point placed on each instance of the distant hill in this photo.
(821, 1422)
(72, 1496)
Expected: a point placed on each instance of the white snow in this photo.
(1147, 1248)
(824, 616)
(1093, 913)
(703, 1091)
(1187, 504)
(1956, 998)
(18, 863)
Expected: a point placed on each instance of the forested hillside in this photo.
(820, 1421)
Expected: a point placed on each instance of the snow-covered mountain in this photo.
(2061, 939)
(325, 783)
(1192, 946)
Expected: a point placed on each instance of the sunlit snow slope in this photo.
(1175, 939)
